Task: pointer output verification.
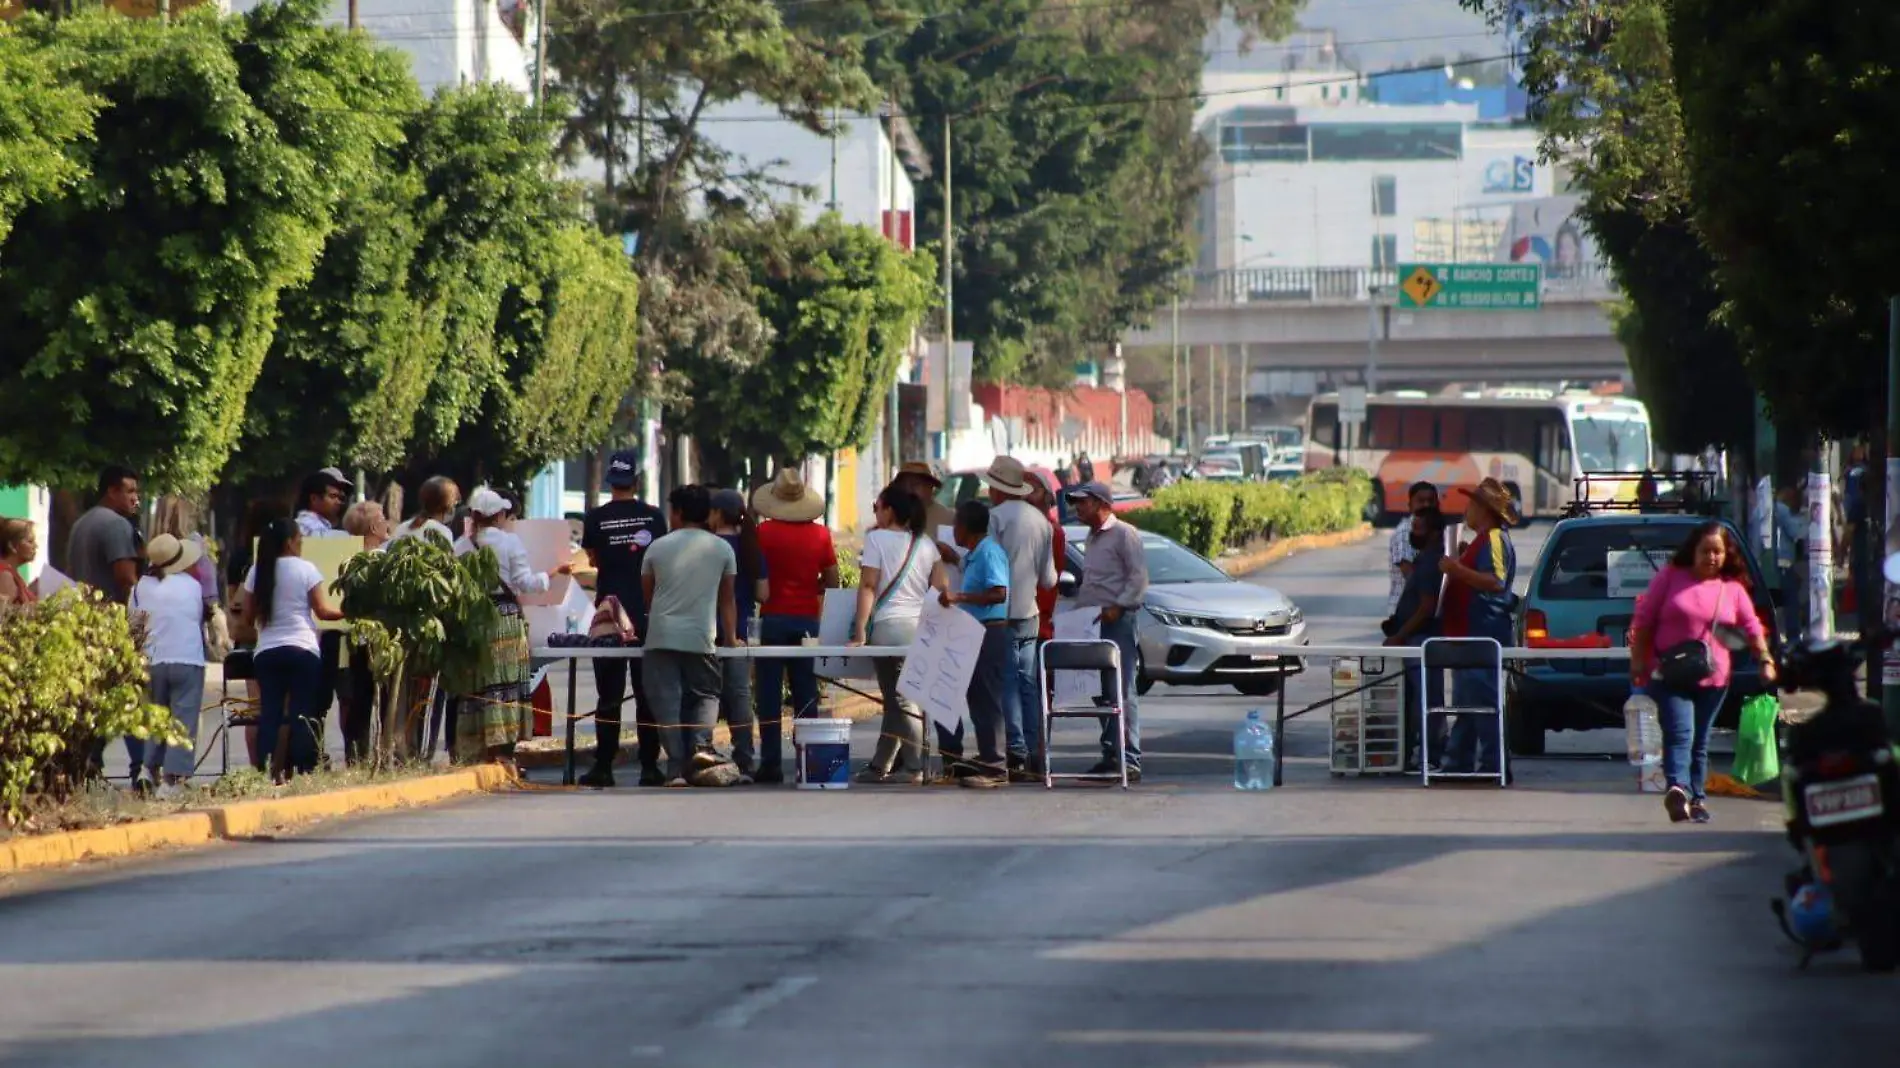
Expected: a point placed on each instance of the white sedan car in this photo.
(1201, 627)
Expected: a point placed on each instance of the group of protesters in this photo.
(718, 569)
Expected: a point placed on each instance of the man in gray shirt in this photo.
(687, 577)
(1026, 538)
(1115, 580)
(103, 549)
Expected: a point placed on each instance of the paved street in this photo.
(1362, 923)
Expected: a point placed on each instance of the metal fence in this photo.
(1346, 285)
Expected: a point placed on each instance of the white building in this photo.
(449, 42)
(1361, 185)
(857, 173)
(1304, 69)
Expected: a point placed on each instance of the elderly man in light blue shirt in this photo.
(1115, 580)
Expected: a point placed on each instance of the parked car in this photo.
(1582, 594)
(1199, 626)
(963, 486)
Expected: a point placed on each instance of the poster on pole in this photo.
(1075, 689)
(1820, 556)
(834, 628)
(549, 544)
(1890, 601)
(942, 660)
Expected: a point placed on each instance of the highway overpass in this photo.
(1323, 320)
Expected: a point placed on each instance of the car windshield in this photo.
(1604, 561)
(1611, 444)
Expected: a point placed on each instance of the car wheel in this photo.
(1258, 685)
(1374, 511)
(1523, 729)
(1142, 682)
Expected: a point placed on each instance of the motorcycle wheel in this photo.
(1864, 888)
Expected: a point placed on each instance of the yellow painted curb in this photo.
(239, 820)
(1274, 552)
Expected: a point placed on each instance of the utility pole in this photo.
(1372, 339)
(164, 11)
(540, 49)
(949, 322)
(833, 203)
(1187, 401)
(1213, 413)
(1174, 370)
(1243, 387)
(897, 238)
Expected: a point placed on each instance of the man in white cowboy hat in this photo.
(800, 564)
(1025, 536)
(172, 604)
(1477, 604)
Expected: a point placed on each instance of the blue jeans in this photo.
(180, 688)
(290, 694)
(1687, 719)
(772, 676)
(1122, 633)
(1421, 694)
(1473, 744)
(1022, 703)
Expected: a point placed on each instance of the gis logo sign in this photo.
(1514, 175)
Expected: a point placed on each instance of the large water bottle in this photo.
(1253, 754)
(1642, 735)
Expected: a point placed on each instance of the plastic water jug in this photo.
(1642, 730)
(1253, 754)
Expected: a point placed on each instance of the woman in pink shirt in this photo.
(1704, 586)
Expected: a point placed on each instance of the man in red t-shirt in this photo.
(799, 563)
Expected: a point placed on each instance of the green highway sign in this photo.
(1471, 286)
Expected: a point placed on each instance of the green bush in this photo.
(71, 676)
(1211, 516)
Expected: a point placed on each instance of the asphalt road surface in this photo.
(1355, 923)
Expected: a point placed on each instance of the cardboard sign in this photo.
(329, 555)
(834, 628)
(1076, 688)
(941, 663)
(548, 545)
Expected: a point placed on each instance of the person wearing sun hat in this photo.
(1025, 535)
(1477, 604)
(800, 564)
(173, 606)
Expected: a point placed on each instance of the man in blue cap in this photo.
(1114, 582)
(616, 535)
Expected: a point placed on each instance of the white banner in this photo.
(1077, 688)
(1820, 556)
(834, 628)
(942, 660)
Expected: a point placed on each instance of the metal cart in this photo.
(1368, 726)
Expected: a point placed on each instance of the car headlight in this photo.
(1295, 617)
(1178, 619)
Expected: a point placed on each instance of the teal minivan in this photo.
(1582, 594)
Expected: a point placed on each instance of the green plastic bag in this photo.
(1756, 758)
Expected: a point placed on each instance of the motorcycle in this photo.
(1841, 791)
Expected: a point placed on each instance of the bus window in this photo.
(1418, 428)
(1323, 425)
(1485, 431)
(1520, 433)
(1452, 436)
(1383, 429)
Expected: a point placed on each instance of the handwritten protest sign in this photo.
(1076, 688)
(942, 660)
(549, 546)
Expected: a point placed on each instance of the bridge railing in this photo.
(1355, 285)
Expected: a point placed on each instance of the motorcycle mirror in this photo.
(1892, 569)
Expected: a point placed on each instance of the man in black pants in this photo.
(616, 536)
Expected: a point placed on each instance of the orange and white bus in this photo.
(1536, 442)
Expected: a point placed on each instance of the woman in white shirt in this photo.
(171, 599)
(899, 567)
(284, 598)
(495, 717)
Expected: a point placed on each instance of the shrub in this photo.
(1211, 516)
(71, 676)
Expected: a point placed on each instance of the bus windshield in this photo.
(1611, 444)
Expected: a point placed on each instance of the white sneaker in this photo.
(169, 791)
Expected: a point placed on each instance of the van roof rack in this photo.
(1670, 493)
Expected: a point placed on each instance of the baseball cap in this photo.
(623, 468)
(729, 501)
(486, 501)
(335, 477)
(1097, 490)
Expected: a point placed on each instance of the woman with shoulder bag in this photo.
(898, 567)
(1676, 659)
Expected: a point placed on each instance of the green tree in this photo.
(842, 303)
(1605, 99)
(1790, 108)
(137, 306)
(43, 121)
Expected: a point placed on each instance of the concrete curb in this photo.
(1250, 560)
(240, 819)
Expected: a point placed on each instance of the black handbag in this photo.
(1685, 665)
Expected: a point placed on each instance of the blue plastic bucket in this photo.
(824, 753)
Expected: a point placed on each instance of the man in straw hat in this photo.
(922, 481)
(1477, 604)
(800, 564)
(1025, 536)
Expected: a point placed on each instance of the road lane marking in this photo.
(737, 1015)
